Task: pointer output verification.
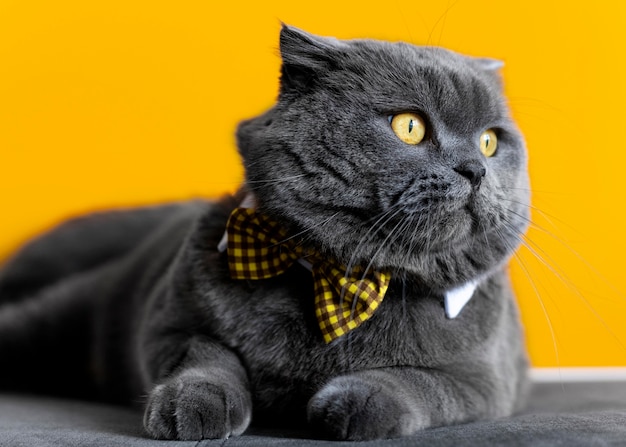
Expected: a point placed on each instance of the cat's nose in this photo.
(473, 170)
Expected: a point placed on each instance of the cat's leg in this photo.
(391, 402)
(207, 396)
(46, 339)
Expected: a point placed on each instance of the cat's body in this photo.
(142, 300)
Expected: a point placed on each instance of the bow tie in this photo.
(258, 248)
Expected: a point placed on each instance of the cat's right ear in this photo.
(306, 58)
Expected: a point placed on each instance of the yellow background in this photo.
(120, 102)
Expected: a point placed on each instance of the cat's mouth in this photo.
(434, 222)
(432, 204)
(421, 228)
(432, 194)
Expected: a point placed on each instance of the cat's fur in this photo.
(140, 303)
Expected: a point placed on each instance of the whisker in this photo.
(441, 17)
(529, 244)
(548, 217)
(274, 180)
(382, 244)
(307, 230)
(400, 224)
(567, 246)
(384, 218)
(535, 101)
(532, 283)
(414, 239)
(534, 191)
(378, 225)
(387, 216)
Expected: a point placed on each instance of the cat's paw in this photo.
(193, 408)
(352, 408)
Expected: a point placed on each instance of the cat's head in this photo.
(341, 159)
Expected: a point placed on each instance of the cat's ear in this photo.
(306, 57)
(488, 64)
(491, 67)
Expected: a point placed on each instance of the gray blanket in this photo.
(569, 415)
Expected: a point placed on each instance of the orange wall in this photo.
(117, 102)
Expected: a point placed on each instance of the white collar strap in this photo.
(249, 201)
(456, 299)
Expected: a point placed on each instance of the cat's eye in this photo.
(409, 127)
(488, 143)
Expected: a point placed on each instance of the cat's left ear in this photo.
(306, 58)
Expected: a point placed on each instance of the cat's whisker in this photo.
(524, 240)
(441, 18)
(276, 180)
(382, 244)
(528, 101)
(535, 250)
(308, 229)
(405, 225)
(428, 242)
(533, 191)
(414, 240)
(374, 229)
(387, 216)
(382, 220)
(443, 23)
(411, 227)
(532, 283)
(401, 224)
(484, 233)
(548, 217)
(567, 246)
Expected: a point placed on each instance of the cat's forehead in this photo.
(412, 61)
(430, 79)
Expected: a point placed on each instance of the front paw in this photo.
(192, 408)
(356, 409)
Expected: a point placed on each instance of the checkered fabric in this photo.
(258, 248)
(343, 302)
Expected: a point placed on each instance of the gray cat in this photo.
(398, 164)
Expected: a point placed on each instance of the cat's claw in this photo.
(192, 408)
(350, 408)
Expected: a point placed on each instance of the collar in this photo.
(454, 299)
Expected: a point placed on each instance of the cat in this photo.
(397, 163)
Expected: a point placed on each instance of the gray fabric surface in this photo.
(590, 414)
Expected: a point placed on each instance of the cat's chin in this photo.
(407, 239)
(438, 229)
(460, 243)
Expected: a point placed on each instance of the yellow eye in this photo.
(409, 127)
(488, 143)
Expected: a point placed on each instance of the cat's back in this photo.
(76, 286)
(83, 243)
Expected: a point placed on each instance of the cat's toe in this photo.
(194, 409)
(159, 418)
(349, 408)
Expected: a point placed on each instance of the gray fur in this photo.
(139, 302)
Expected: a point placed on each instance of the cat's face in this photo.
(340, 157)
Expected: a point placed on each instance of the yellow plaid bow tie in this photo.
(258, 248)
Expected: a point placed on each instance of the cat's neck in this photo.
(455, 299)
